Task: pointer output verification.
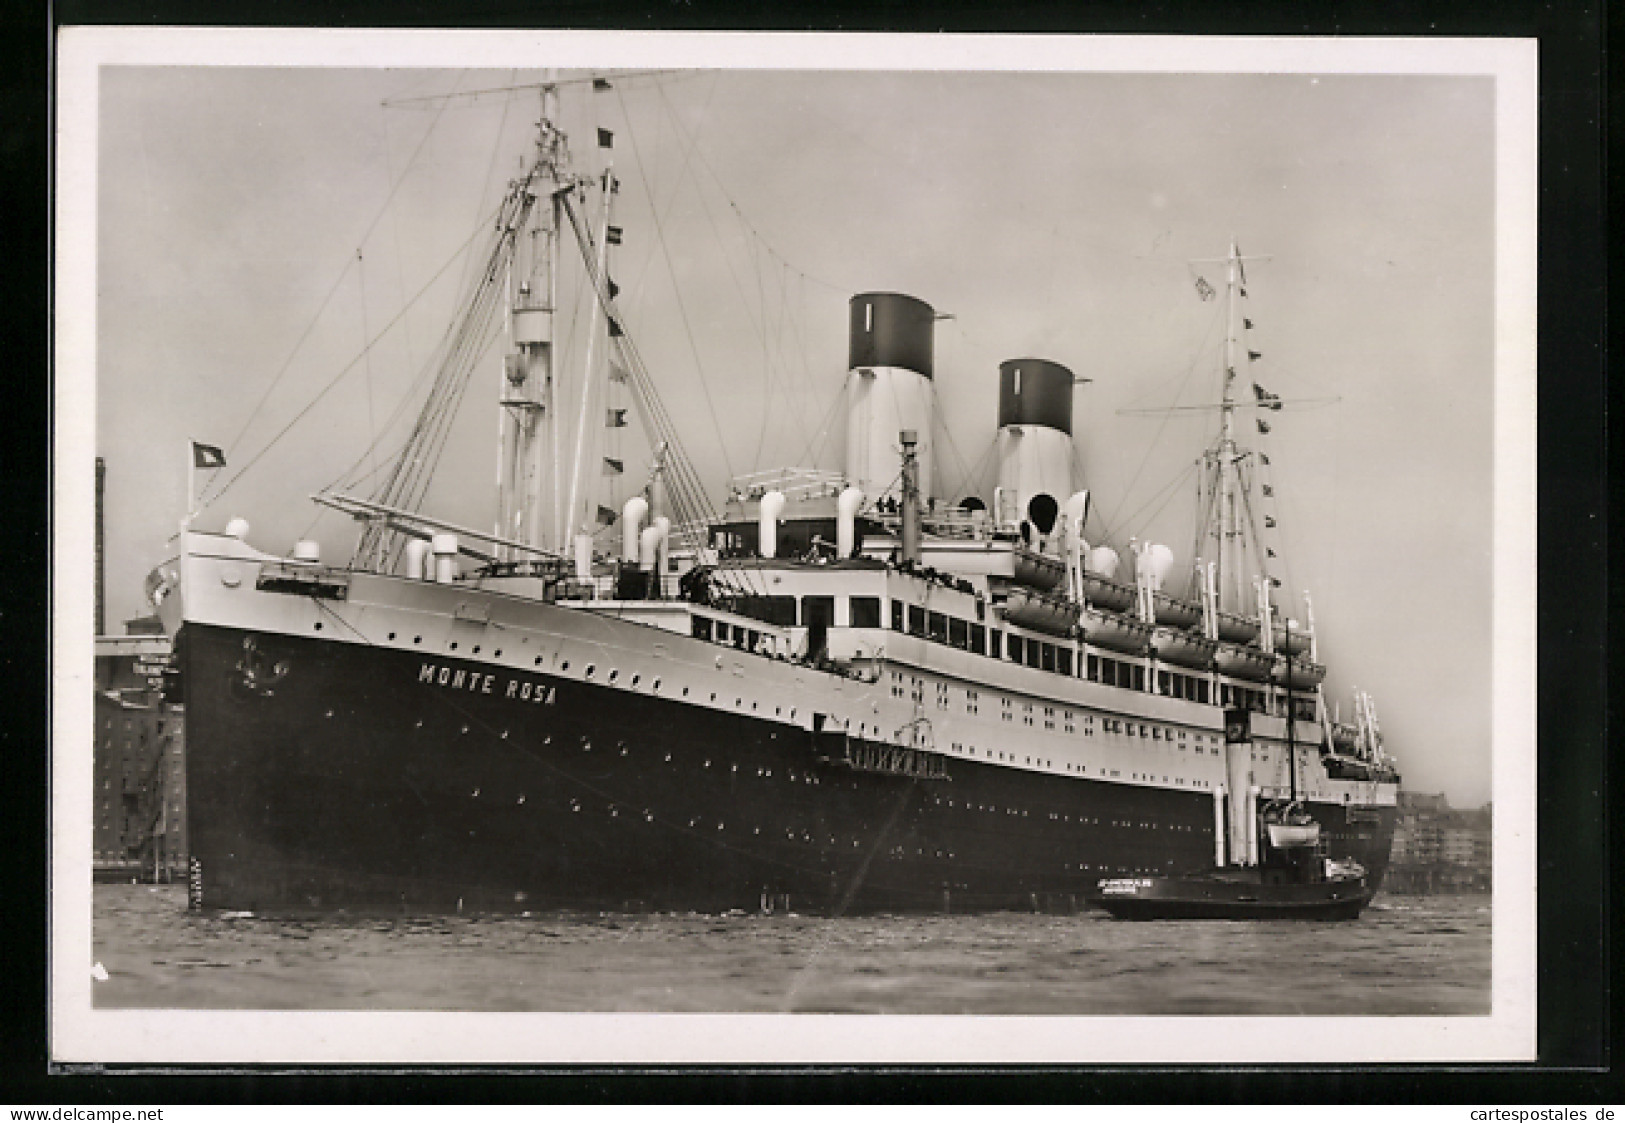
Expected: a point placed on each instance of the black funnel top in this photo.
(889, 329)
(1035, 392)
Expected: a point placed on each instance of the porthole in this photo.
(613, 674)
(635, 679)
(391, 635)
(476, 649)
(454, 645)
(319, 627)
(497, 654)
(565, 665)
(538, 660)
(655, 685)
(587, 672)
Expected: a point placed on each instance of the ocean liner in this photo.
(839, 692)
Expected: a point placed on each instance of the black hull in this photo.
(329, 776)
(1209, 898)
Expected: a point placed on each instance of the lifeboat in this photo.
(1286, 836)
(1298, 644)
(1038, 571)
(1175, 613)
(1103, 592)
(1237, 629)
(1033, 609)
(1243, 662)
(1304, 674)
(1114, 631)
(1183, 649)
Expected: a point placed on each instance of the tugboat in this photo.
(1281, 872)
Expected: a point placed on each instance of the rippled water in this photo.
(1405, 955)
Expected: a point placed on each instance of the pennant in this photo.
(1275, 582)
(606, 139)
(601, 84)
(207, 456)
(1269, 492)
(1264, 456)
(1269, 520)
(616, 419)
(606, 516)
(613, 467)
(613, 235)
(615, 331)
(1242, 289)
(1204, 290)
(1246, 323)
(1269, 551)
(1263, 426)
(617, 373)
(1254, 356)
(614, 289)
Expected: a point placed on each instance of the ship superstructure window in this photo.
(896, 615)
(1063, 660)
(770, 610)
(701, 627)
(916, 620)
(864, 612)
(958, 633)
(1015, 647)
(978, 639)
(995, 642)
(936, 627)
(1047, 651)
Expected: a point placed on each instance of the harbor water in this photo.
(1406, 955)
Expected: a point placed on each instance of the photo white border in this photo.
(80, 1033)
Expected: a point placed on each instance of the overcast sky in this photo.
(1053, 215)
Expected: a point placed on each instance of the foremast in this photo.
(530, 454)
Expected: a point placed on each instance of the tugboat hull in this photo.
(1213, 897)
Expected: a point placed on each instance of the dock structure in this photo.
(139, 761)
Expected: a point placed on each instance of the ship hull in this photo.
(326, 775)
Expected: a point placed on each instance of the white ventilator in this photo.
(633, 512)
(846, 521)
(771, 507)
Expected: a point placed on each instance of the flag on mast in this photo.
(207, 456)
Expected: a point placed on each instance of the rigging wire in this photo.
(311, 326)
(704, 163)
(682, 310)
(685, 490)
(337, 378)
(1162, 425)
